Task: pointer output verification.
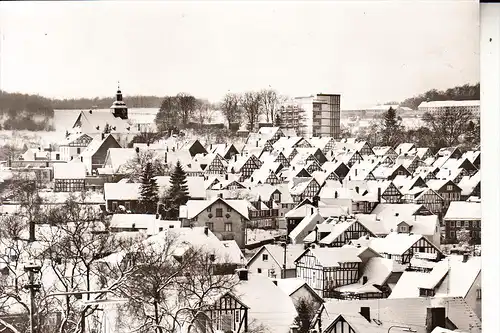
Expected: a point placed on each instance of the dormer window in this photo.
(403, 228)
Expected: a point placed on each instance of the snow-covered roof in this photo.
(195, 207)
(195, 185)
(404, 311)
(71, 170)
(278, 254)
(122, 191)
(441, 104)
(451, 277)
(394, 243)
(267, 303)
(377, 270)
(334, 256)
(306, 225)
(462, 210)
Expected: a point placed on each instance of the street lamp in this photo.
(405, 328)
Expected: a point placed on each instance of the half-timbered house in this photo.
(122, 197)
(324, 143)
(463, 215)
(349, 157)
(224, 149)
(69, 177)
(401, 247)
(386, 189)
(339, 168)
(227, 313)
(447, 189)
(385, 151)
(264, 175)
(410, 162)
(337, 232)
(325, 269)
(244, 165)
(302, 188)
(211, 164)
(73, 145)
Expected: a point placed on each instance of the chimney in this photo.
(275, 282)
(210, 147)
(312, 210)
(379, 194)
(166, 157)
(356, 172)
(436, 317)
(102, 136)
(242, 274)
(465, 257)
(90, 111)
(365, 279)
(365, 312)
(137, 150)
(357, 189)
(235, 157)
(336, 194)
(206, 231)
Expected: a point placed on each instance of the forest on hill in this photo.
(459, 93)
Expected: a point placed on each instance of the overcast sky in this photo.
(368, 51)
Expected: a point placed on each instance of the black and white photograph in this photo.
(241, 166)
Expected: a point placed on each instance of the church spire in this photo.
(119, 96)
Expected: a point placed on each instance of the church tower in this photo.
(119, 108)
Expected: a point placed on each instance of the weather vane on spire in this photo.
(118, 85)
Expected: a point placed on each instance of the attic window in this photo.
(403, 228)
(449, 187)
(423, 292)
(265, 257)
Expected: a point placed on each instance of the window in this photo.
(421, 249)
(452, 224)
(210, 226)
(402, 228)
(78, 150)
(218, 212)
(355, 235)
(127, 205)
(466, 224)
(209, 209)
(426, 292)
(229, 209)
(452, 234)
(237, 316)
(228, 227)
(265, 257)
(114, 205)
(259, 270)
(449, 188)
(161, 229)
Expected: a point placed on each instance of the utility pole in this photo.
(33, 287)
(285, 243)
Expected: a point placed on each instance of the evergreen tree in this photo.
(391, 128)
(178, 193)
(149, 190)
(278, 121)
(305, 311)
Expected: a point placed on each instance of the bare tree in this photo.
(230, 107)
(448, 126)
(270, 104)
(74, 248)
(252, 105)
(135, 166)
(174, 283)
